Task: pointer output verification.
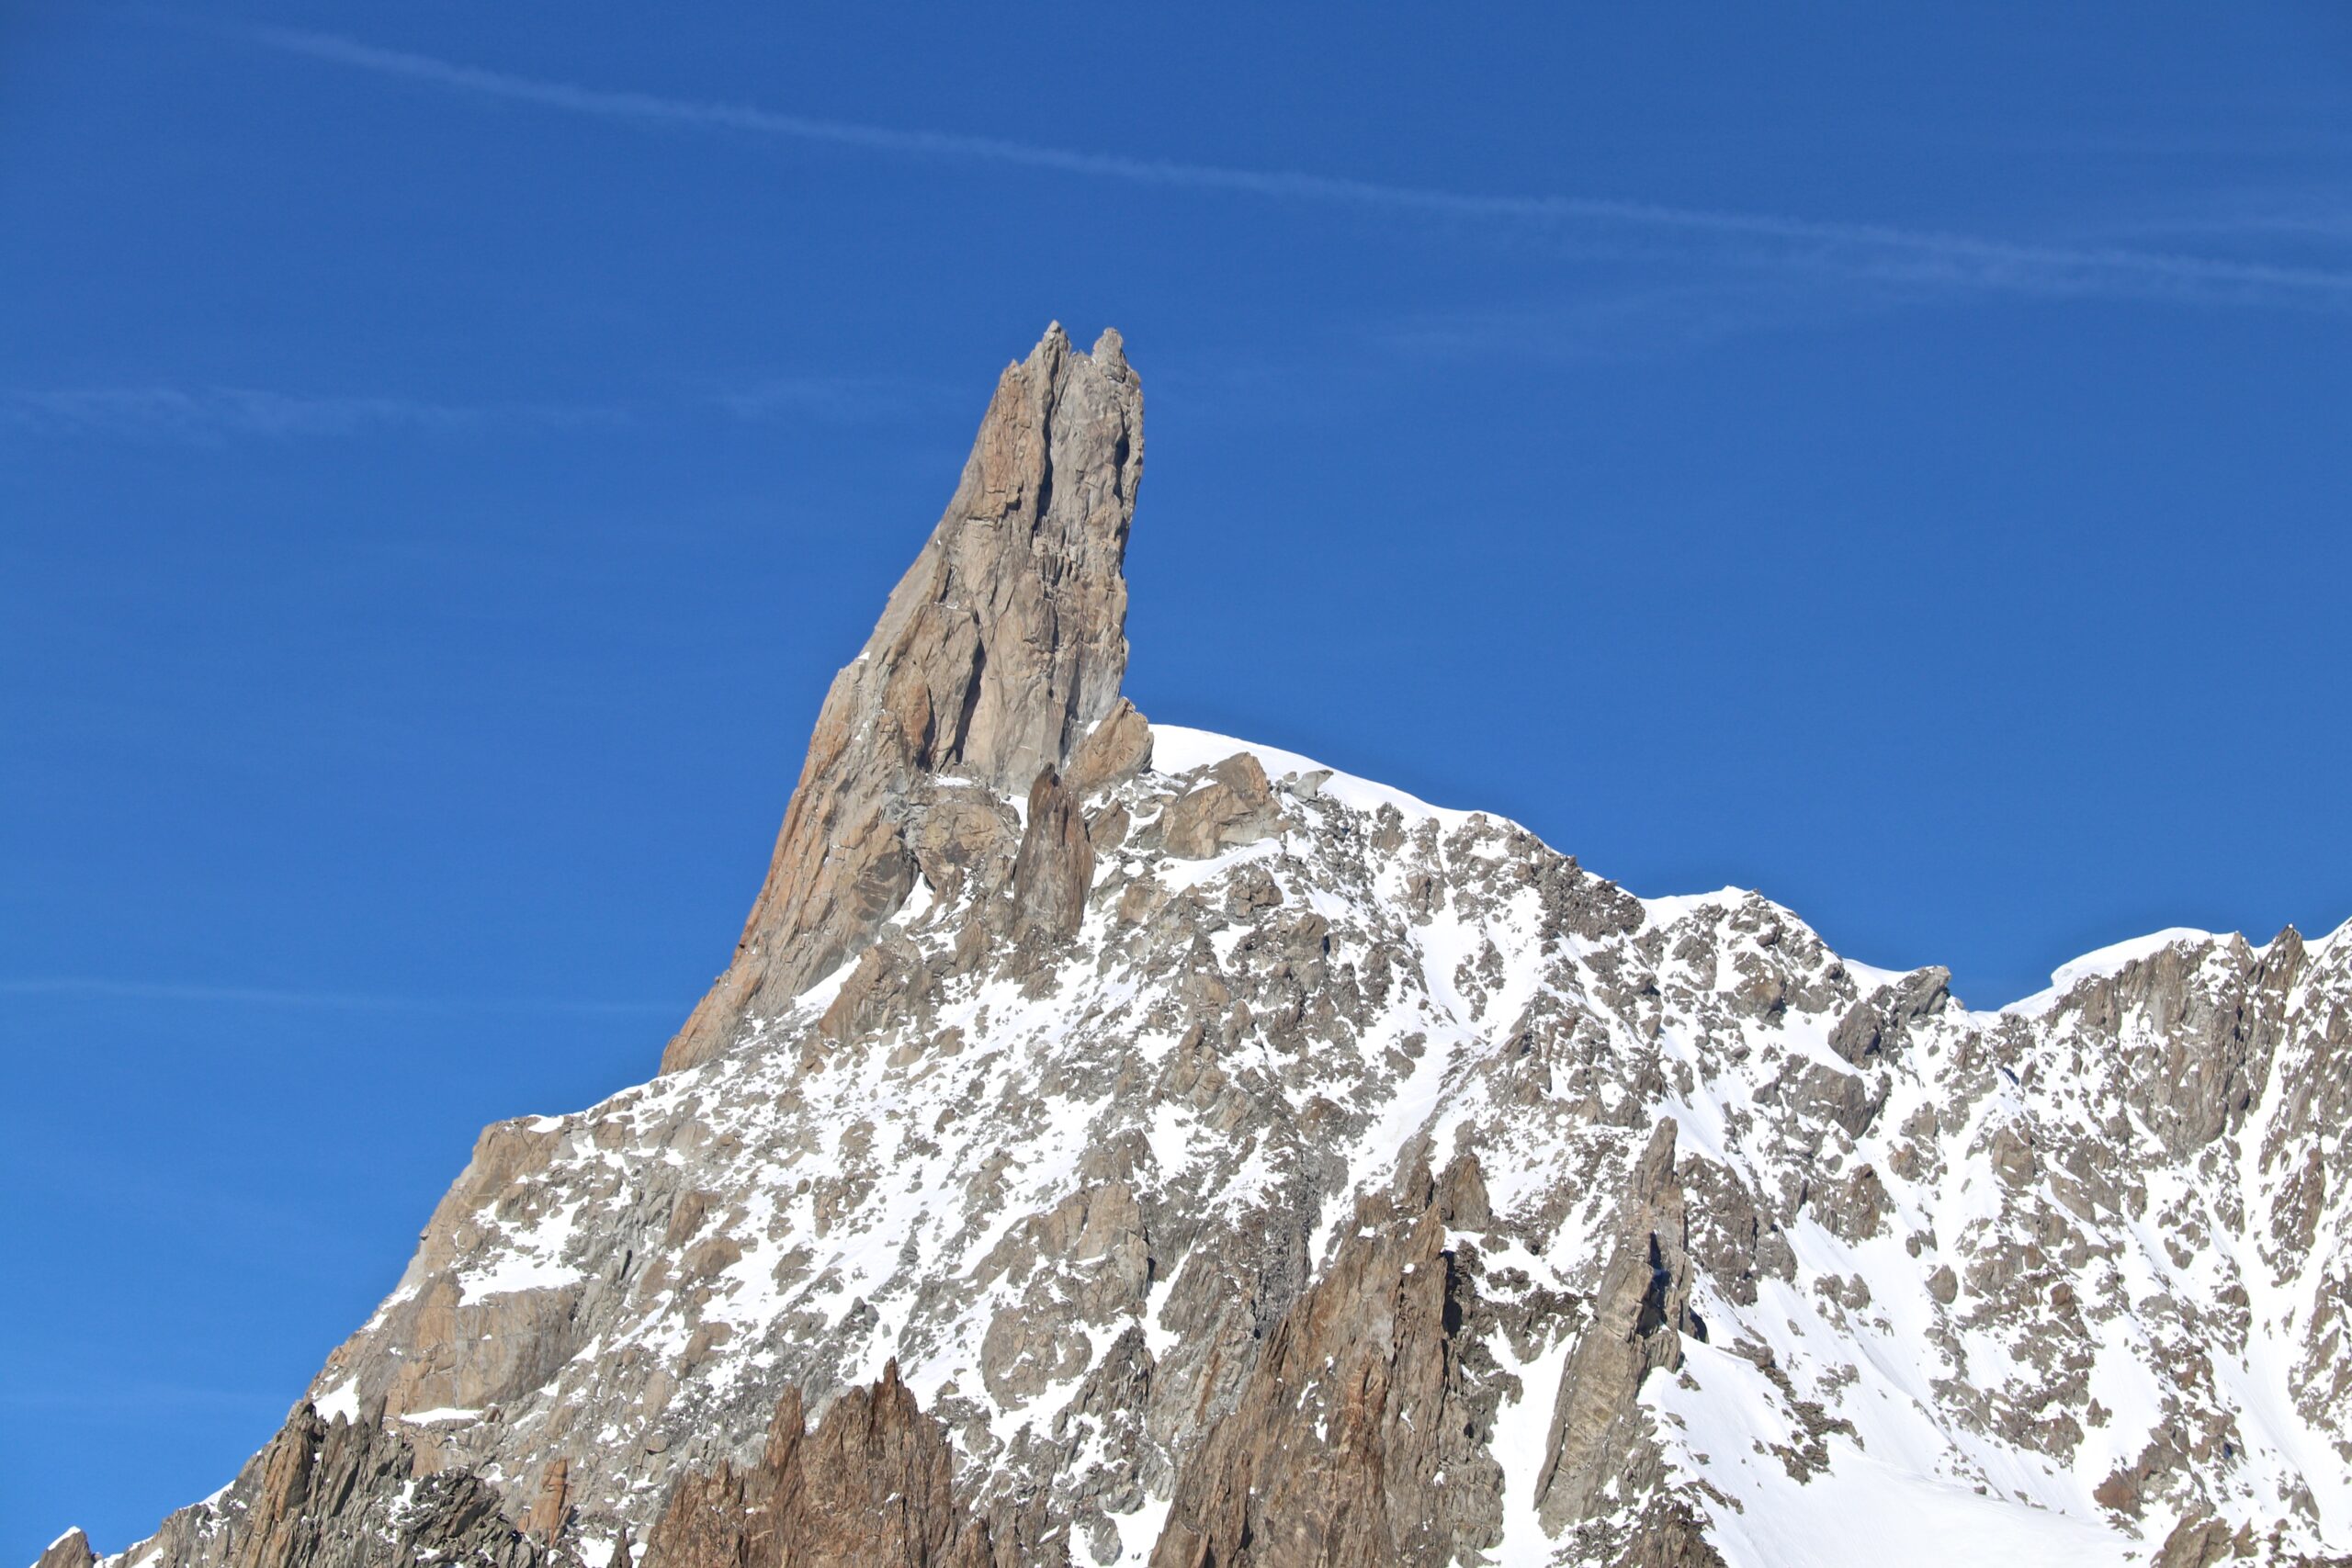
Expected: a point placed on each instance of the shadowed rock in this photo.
(1355, 1442)
(1054, 868)
(871, 1487)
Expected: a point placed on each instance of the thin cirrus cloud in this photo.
(96, 988)
(204, 415)
(1895, 253)
(208, 412)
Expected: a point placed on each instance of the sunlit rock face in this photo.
(1115, 1143)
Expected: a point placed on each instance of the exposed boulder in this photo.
(1234, 806)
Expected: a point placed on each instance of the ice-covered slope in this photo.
(1203, 1156)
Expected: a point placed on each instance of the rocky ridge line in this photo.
(1114, 1127)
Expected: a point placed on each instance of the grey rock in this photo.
(1598, 1442)
(1234, 806)
(71, 1550)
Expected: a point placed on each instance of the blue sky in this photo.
(1894, 463)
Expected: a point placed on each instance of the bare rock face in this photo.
(871, 1487)
(1234, 806)
(1053, 870)
(1118, 748)
(998, 654)
(71, 1550)
(550, 1510)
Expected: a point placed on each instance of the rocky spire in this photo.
(998, 652)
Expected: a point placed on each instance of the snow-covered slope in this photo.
(2031, 1286)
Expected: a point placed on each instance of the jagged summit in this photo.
(999, 653)
(1120, 1146)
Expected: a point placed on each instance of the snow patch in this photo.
(341, 1401)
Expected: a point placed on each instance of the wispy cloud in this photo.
(106, 989)
(833, 400)
(1640, 321)
(211, 412)
(1910, 256)
(2317, 217)
(207, 415)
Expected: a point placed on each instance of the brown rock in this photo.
(870, 1487)
(964, 832)
(1356, 1441)
(998, 653)
(71, 1550)
(1118, 748)
(1856, 1035)
(2200, 1540)
(344, 1494)
(890, 979)
(1236, 806)
(548, 1512)
(1054, 869)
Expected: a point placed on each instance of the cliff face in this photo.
(998, 651)
(1113, 1143)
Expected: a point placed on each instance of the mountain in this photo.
(1115, 1143)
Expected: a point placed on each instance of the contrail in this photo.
(1916, 254)
(264, 996)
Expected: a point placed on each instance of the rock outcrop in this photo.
(71, 1550)
(1053, 870)
(998, 654)
(872, 1486)
(1596, 1442)
(1360, 1438)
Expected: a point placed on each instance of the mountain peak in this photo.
(998, 652)
(1244, 1162)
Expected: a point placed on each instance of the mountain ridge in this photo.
(1129, 1145)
